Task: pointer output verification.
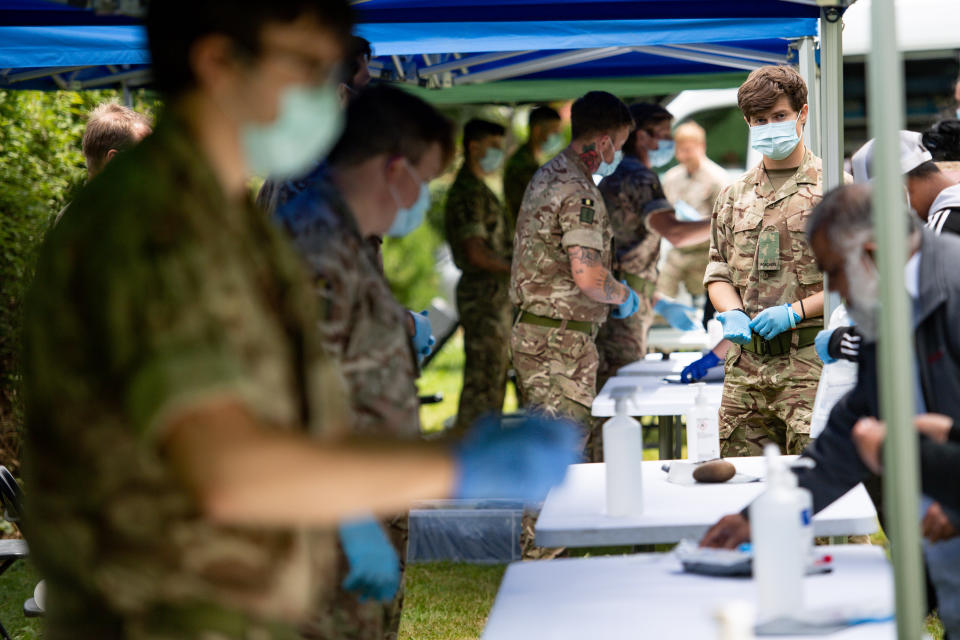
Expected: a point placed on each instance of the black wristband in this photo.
(803, 312)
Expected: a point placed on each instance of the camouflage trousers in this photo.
(686, 265)
(556, 371)
(343, 617)
(767, 399)
(485, 315)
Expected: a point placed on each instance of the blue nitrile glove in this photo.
(736, 326)
(423, 339)
(518, 463)
(680, 316)
(629, 306)
(822, 343)
(696, 370)
(374, 565)
(685, 212)
(771, 322)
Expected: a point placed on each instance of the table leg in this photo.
(665, 425)
(677, 439)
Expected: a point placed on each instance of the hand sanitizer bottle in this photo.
(703, 429)
(779, 523)
(622, 456)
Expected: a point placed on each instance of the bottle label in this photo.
(805, 517)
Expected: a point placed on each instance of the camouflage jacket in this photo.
(631, 194)
(473, 211)
(561, 208)
(748, 209)
(518, 173)
(156, 296)
(363, 327)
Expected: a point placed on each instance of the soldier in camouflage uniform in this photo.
(692, 186)
(363, 327)
(763, 276)
(639, 212)
(545, 139)
(476, 230)
(561, 279)
(180, 405)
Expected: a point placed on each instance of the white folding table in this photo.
(651, 396)
(670, 339)
(574, 513)
(648, 596)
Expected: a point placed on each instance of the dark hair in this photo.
(943, 140)
(477, 129)
(598, 112)
(644, 114)
(766, 85)
(385, 119)
(173, 26)
(111, 126)
(923, 170)
(358, 48)
(542, 115)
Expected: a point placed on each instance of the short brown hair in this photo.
(766, 85)
(111, 126)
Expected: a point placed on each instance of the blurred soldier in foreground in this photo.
(374, 183)
(544, 139)
(185, 445)
(476, 230)
(640, 216)
(561, 278)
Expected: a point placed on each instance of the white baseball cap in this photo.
(912, 155)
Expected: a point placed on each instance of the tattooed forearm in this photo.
(612, 290)
(586, 256)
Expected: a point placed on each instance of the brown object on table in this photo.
(714, 471)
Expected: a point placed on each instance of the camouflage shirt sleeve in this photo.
(720, 240)
(464, 213)
(581, 219)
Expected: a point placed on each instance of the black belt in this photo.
(781, 344)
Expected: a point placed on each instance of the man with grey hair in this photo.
(840, 231)
(111, 128)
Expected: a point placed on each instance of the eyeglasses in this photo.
(320, 72)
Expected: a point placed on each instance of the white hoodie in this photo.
(940, 212)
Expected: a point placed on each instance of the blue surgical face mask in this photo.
(409, 218)
(662, 154)
(307, 126)
(491, 160)
(775, 140)
(553, 143)
(607, 168)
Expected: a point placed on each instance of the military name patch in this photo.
(586, 210)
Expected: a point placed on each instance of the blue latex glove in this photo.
(518, 463)
(822, 343)
(685, 212)
(771, 322)
(423, 339)
(629, 306)
(736, 326)
(374, 565)
(696, 370)
(680, 316)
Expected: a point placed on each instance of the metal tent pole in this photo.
(807, 62)
(895, 359)
(831, 114)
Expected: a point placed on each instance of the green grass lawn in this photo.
(16, 585)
